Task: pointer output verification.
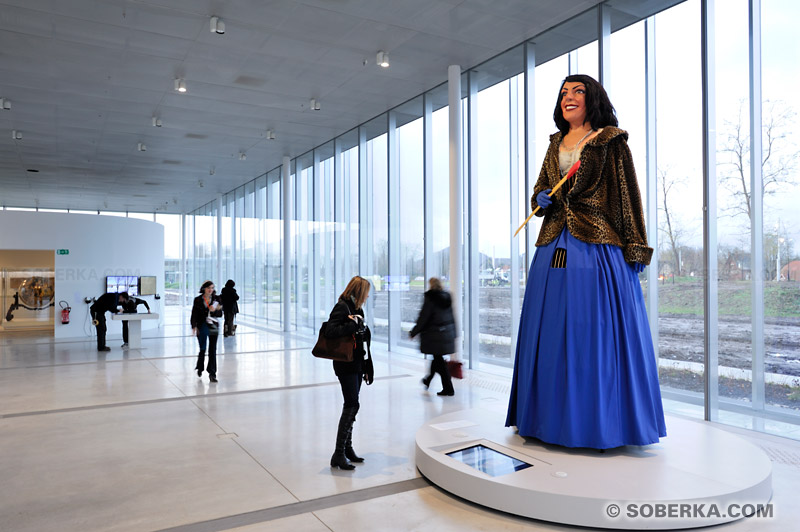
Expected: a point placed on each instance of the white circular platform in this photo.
(660, 486)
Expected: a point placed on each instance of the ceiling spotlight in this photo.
(5, 104)
(157, 122)
(217, 26)
(211, 171)
(314, 104)
(180, 84)
(200, 184)
(383, 59)
(141, 147)
(242, 156)
(270, 134)
(16, 135)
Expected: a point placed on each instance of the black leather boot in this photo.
(348, 446)
(339, 459)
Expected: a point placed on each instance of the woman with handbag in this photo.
(206, 309)
(347, 319)
(437, 327)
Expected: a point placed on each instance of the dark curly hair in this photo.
(599, 111)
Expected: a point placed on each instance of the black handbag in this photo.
(339, 349)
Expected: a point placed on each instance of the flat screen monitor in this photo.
(122, 283)
(147, 285)
(489, 461)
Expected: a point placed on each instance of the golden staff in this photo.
(572, 170)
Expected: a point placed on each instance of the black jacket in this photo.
(133, 302)
(436, 324)
(229, 298)
(200, 312)
(105, 303)
(340, 325)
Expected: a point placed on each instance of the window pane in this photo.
(376, 258)
(781, 215)
(680, 200)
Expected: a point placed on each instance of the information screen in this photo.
(122, 283)
(488, 460)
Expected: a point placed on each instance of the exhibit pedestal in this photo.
(135, 326)
(697, 476)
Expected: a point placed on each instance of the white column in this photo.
(604, 46)
(651, 172)
(710, 287)
(218, 275)
(184, 266)
(287, 244)
(456, 215)
(757, 212)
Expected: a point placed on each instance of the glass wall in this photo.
(304, 243)
(173, 267)
(273, 230)
(227, 238)
(375, 222)
(438, 164)
(375, 202)
(346, 212)
(325, 196)
(495, 168)
(781, 188)
(407, 276)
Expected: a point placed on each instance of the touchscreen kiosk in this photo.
(489, 461)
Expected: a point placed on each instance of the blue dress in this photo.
(585, 371)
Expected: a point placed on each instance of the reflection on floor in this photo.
(134, 440)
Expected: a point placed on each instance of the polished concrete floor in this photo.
(134, 440)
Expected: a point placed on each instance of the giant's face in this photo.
(573, 102)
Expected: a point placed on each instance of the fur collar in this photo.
(604, 137)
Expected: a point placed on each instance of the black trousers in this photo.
(229, 322)
(439, 365)
(351, 386)
(101, 330)
(125, 329)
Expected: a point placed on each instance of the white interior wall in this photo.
(98, 246)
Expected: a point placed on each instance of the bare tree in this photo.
(777, 164)
(668, 222)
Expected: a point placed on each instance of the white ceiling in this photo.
(85, 78)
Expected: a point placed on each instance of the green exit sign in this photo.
(63, 252)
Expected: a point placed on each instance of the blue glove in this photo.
(638, 267)
(543, 200)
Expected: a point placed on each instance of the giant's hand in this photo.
(543, 200)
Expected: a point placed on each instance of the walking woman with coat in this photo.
(347, 320)
(437, 327)
(230, 307)
(206, 308)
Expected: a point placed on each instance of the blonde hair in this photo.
(358, 288)
(435, 283)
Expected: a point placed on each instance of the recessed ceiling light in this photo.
(217, 25)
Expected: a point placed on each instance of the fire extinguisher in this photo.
(65, 308)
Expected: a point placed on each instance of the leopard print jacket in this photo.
(603, 205)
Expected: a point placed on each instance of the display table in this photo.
(135, 326)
